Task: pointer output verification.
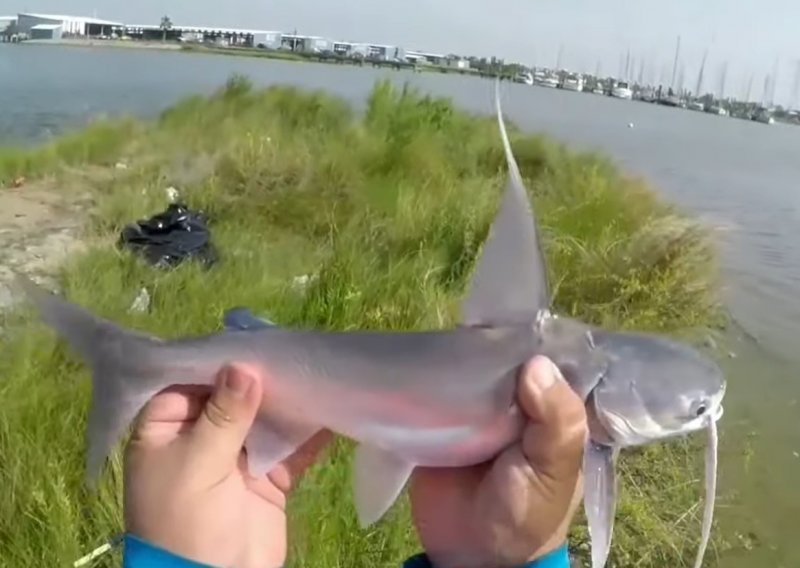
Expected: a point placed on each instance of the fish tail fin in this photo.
(124, 367)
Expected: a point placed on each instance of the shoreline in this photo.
(303, 57)
(251, 52)
(102, 43)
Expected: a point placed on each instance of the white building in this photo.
(6, 21)
(205, 34)
(458, 63)
(426, 58)
(66, 26)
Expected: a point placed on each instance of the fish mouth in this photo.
(626, 432)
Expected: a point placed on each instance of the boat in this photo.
(671, 100)
(647, 95)
(696, 105)
(524, 77)
(717, 109)
(545, 80)
(573, 82)
(597, 88)
(764, 116)
(622, 91)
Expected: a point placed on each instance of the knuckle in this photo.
(568, 409)
(571, 434)
(217, 415)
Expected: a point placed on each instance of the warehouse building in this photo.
(49, 26)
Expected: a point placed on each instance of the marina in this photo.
(77, 30)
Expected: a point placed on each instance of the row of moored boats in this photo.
(575, 82)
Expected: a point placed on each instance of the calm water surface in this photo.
(742, 177)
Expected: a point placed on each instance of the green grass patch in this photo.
(100, 143)
(389, 211)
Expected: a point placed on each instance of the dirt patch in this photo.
(39, 228)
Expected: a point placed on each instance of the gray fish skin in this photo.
(436, 398)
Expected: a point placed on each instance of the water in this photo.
(741, 177)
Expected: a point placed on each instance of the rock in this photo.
(142, 302)
(299, 283)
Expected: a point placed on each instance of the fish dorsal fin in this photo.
(509, 283)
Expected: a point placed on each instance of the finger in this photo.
(220, 431)
(176, 404)
(554, 439)
(307, 454)
(286, 474)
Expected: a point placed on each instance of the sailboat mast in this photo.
(796, 87)
(765, 94)
(627, 75)
(775, 71)
(675, 63)
(722, 80)
(699, 89)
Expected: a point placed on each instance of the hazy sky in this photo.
(748, 34)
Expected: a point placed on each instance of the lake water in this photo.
(739, 176)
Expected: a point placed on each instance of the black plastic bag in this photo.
(169, 238)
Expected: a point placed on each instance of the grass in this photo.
(389, 209)
(99, 144)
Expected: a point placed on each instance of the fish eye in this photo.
(701, 409)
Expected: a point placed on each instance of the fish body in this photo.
(441, 398)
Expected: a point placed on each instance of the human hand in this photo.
(518, 507)
(187, 487)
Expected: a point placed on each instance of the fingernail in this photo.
(237, 382)
(545, 376)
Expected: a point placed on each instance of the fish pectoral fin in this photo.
(269, 442)
(379, 477)
(600, 498)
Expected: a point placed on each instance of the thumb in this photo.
(218, 435)
(554, 439)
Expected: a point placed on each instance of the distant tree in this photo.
(11, 32)
(166, 25)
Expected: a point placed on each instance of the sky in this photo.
(747, 35)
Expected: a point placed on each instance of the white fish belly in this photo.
(424, 430)
(445, 446)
